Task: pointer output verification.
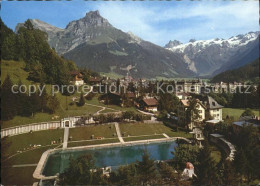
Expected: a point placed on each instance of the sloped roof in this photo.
(150, 101)
(185, 102)
(130, 94)
(213, 104)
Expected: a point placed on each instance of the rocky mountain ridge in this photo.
(206, 57)
(94, 43)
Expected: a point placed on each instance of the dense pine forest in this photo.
(43, 65)
(30, 45)
(249, 72)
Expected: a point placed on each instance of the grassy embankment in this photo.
(29, 154)
(143, 131)
(66, 108)
(235, 112)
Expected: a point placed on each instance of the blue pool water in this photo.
(112, 156)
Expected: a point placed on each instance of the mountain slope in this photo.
(94, 43)
(206, 56)
(249, 72)
(241, 58)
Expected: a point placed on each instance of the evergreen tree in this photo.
(43, 98)
(248, 112)
(81, 172)
(229, 177)
(81, 100)
(146, 170)
(168, 102)
(206, 170)
(185, 153)
(8, 104)
(53, 104)
(125, 175)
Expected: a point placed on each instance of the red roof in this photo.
(150, 101)
(130, 95)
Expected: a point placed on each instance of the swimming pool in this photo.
(109, 156)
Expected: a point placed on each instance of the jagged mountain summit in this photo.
(208, 57)
(94, 43)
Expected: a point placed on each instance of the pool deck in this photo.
(40, 166)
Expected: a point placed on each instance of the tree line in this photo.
(149, 172)
(30, 45)
(22, 104)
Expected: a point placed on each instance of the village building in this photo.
(149, 104)
(95, 80)
(246, 121)
(183, 95)
(193, 86)
(77, 78)
(208, 109)
(182, 109)
(214, 109)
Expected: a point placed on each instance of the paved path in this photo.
(91, 89)
(119, 133)
(98, 112)
(66, 136)
(25, 165)
(165, 135)
(148, 113)
(22, 165)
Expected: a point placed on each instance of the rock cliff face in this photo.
(94, 43)
(207, 57)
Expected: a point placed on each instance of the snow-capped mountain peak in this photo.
(205, 56)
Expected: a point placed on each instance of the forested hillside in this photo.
(249, 72)
(27, 59)
(30, 45)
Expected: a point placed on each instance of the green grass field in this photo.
(16, 71)
(23, 141)
(29, 157)
(215, 153)
(92, 142)
(235, 112)
(133, 138)
(85, 133)
(17, 176)
(137, 129)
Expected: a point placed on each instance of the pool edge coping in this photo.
(41, 164)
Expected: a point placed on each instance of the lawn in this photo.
(29, 157)
(93, 142)
(215, 153)
(85, 133)
(12, 144)
(235, 112)
(137, 129)
(15, 70)
(133, 138)
(17, 176)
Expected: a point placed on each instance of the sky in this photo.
(154, 21)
